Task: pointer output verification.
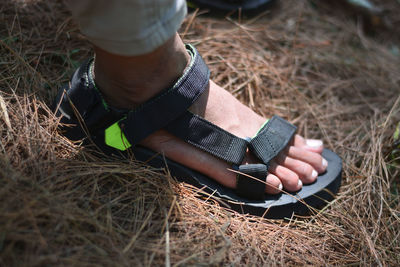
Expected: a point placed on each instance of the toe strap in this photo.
(251, 181)
(271, 139)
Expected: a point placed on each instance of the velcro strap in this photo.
(169, 105)
(209, 137)
(272, 138)
(80, 100)
(79, 94)
(252, 185)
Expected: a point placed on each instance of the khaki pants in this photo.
(128, 27)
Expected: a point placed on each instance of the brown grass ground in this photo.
(61, 205)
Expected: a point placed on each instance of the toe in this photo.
(317, 162)
(307, 174)
(290, 180)
(313, 145)
(274, 185)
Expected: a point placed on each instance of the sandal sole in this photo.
(285, 205)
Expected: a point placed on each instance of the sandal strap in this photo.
(266, 145)
(161, 110)
(79, 102)
(251, 181)
(209, 137)
(271, 139)
(169, 111)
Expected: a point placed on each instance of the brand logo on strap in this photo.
(114, 137)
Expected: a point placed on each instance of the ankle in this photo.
(127, 81)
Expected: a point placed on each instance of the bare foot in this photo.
(124, 83)
(299, 163)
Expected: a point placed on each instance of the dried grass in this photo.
(61, 205)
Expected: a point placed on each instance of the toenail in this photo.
(314, 174)
(300, 183)
(314, 143)
(324, 162)
(280, 187)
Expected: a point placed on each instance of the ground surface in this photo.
(310, 63)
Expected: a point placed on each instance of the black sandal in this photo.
(118, 132)
(223, 7)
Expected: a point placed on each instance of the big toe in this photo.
(313, 145)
